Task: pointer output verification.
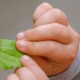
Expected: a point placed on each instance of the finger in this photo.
(40, 10)
(25, 74)
(13, 77)
(36, 70)
(52, 16)
(43, 63)
(54, 31)
(43, 48)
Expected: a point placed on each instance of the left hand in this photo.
(52, 43)
(30, 71)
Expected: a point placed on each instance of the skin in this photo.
(52, 43)
(30, 71)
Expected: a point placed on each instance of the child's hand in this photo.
(30, 71)
(52, 41)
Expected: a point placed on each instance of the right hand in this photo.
(52, 43)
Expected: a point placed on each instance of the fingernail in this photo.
(21, 43)
(25, 46)
(25, 57)
(20, 36)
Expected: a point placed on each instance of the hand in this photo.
(30, 71)
(52, 43)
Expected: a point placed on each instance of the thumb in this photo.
(35, 69)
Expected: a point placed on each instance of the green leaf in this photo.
(9, 55)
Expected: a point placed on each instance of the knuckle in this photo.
(72, 56)
(72, 53)
(61, 16)
(77, 37)
(58, 11)
(75, 46)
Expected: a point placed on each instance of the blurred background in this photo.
(16, 16)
